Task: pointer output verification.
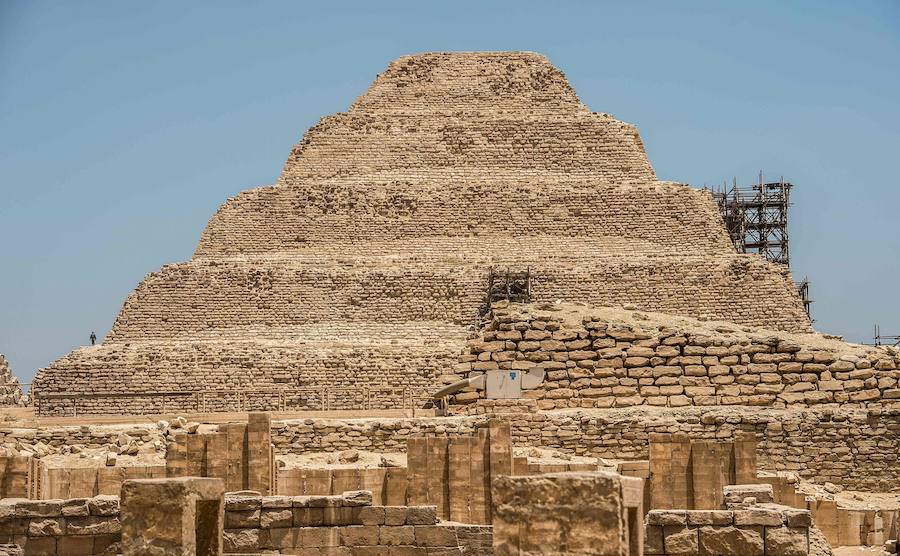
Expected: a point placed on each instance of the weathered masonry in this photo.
(363, 266)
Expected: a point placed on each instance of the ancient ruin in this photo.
(468, 319)
(10, 389)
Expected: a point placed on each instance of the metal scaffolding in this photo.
(882, 340)
(756, 217)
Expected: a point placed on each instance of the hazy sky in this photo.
(124, 125)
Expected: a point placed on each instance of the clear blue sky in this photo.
(124, 125)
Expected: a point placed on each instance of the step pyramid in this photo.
(364, 267)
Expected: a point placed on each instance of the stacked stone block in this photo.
(327, 524)
(388, 485)
(73, 527)
(15, 476)
(454, 473)
(619, 358)
(238, 453)
(755, 531)
(567, 513)
(688, 474)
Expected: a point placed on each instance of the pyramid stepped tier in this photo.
(367, 263)
(652, 218)
(213, 297)
(270, 368)
(495, 82)
(588, 145)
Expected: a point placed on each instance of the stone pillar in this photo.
(259, 452)
(416, 461)
(460, 478)
(710, 473)
(745, 460)
(172, 517)
(396, 485)
(500, 447)
(176, 457)
(479, 470)
(235, 438)
(670, 471)
(564, 513)
(825, 515)
(438, 475)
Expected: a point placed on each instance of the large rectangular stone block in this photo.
(563, 513)
(169, 517)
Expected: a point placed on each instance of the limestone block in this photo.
(177, 516)
(681, 541)
(787, 541)
(731, 541)
(758, 516)
(563, 513)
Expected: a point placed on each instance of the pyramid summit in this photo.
(364, 266)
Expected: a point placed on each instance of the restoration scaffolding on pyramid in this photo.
(756, 217)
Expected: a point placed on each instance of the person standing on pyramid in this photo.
(93, 338)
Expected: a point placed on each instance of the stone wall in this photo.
(567, 513)
(55, 483)
(755, 531)
(282, 524)
(238, 453)
(274, 524)
(853, 447)
(618, 358)
(66, 527)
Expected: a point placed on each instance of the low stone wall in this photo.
(852, 447)
(66, 527)
(855, 448)
(253, 523)
(283, 524)
(87, 436)
(757, 531)
(614, 358)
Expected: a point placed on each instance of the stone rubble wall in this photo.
(755, 531)
(86, 436)
(614, 358)
(10, 389)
